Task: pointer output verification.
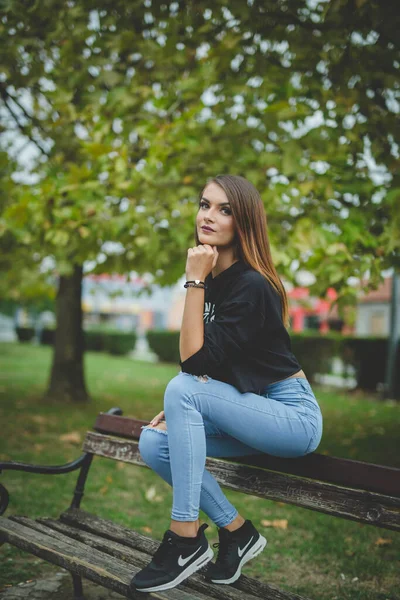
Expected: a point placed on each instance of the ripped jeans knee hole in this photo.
(201, 378)
(149, 428)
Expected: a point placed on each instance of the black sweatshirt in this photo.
(245, 341)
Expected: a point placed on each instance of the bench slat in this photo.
(343, 471)
(356, 505)
(69, 534)
(77, 557)
(118, 533)
(115, 575)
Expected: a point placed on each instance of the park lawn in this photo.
(317, 555)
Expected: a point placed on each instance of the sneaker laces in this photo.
(224, 549)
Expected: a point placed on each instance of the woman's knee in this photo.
(175, 385)
(150, 443)
(174, 390)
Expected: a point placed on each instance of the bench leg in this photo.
(78, 588)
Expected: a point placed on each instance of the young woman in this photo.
(240, 391)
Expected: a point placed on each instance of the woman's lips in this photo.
(207, 230)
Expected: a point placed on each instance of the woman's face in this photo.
(215, 212)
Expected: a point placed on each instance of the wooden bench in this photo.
(110, 554)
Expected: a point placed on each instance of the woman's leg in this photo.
(287, 427)
(154, 450)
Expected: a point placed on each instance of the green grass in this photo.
(317, 555)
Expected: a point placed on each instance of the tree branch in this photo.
(25, 130)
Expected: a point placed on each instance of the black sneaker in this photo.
(235, 548)
(175, 559)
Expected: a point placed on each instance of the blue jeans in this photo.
(207, 417)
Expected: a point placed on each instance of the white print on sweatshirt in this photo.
(209, 312)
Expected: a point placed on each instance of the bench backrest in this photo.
(350, 489)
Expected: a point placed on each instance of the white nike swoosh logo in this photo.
(182, 561)
(240, 552)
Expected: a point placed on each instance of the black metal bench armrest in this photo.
(45, 470)
(83, 463)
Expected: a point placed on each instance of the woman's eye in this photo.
(224, 208)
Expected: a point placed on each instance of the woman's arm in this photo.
(191, 337)
(239, 320)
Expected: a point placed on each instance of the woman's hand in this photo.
(200, 261)
(157, 419)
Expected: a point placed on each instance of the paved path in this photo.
(57, 586)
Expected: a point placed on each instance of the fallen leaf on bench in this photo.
(151, 495)
(383, 542)
(277, 523)
(74, 437)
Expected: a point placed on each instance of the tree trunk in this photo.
(67, 383)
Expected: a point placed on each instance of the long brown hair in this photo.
(252, 242)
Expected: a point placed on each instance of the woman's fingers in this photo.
(157, 418)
